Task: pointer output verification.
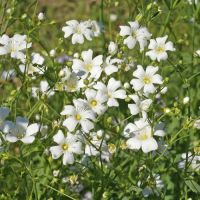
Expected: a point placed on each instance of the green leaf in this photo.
(193, 185)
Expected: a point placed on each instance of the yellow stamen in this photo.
(78, 117)
(93, 103)
(65, 146)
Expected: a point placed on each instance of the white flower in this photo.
(111, 91)
(134, 33)
(112, 48)
(140, 135)
(96, 101)
(88, 65)
(110, 65)
(67, 146)
(145, 80)
(4, 112)
(14, 46)
(21, 130)
(140, 106)
(79, 31)
(159, 48)
(81, 114)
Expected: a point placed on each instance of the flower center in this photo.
(93, 103)
(20, 136)
(143, 136)
(88, 66)
(78, 117)
(78, 30)
(146, 80)
(65, 146)
(160, 49)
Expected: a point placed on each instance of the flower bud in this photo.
(186, 100)
(41, 16)
(112, 48)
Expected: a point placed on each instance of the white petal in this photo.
(3, 51)
(76, 148)
(113, 85)
(56, 152)
(162, 56)
(59, 137)
(130, 42)
(119, 94)
(77, 38)
(152, 44)
(32, 129)
(169, 46)
(87, 55)
(68, 110)
(157, 79)
(98, 60)
(139, 72)
(11, 138)
(28, 139)
(133, 109)
(137, 84)
(149, 88)
(110, 69)
(70, 123)
(4, 39)
(149, 145)
(112, 102)
(133, 143)
(87, 125)
(151, 70)
(125, 30)
(152, 54)
(134, 25)
(67, 30)
(160, 133)
(68, 158)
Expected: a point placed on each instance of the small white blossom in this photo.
(80, 113)
(14, 46)
(96, 101)
(112, 91)
(21, 130)
(89, 65)
(110, 65)
(134, 33)
(145, 79)
(159, 48)
(140, 135)
(78, 31)
(139, 106)
(67, 146)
